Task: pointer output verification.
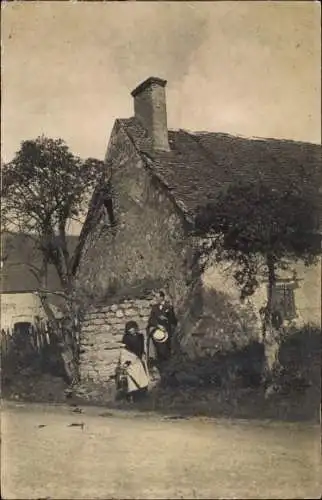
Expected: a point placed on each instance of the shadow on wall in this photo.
(224, 324)
(223, 345)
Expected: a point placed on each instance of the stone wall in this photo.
(148, 248)
(101, 336)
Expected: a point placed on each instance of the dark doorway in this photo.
(22, 327)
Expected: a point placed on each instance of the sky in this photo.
(247, 68)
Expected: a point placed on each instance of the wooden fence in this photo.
(28, 345)
(31, 338)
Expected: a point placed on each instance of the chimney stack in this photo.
(150, 110)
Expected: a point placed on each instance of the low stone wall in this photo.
(101, 336)
(205, 330)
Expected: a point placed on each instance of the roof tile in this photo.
(200, 164)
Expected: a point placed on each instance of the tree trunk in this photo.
(69, 338)
(270, 337)
(70, 347)
(65, 335)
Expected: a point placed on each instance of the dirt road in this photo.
(44, 454)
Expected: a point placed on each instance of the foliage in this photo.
(299, 357)
(260, 229)
(44, 188)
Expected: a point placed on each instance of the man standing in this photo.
(160, 329)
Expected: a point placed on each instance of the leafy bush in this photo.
(241, 367)
(299, 358)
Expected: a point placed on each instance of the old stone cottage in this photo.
(20, 304)
(143, 239)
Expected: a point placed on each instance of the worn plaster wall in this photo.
(148, 247)
(19, 307)
(227, 323)
(307, 294)
(22, 307)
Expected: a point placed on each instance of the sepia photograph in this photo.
(161, 245)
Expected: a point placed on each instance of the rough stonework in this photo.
(148, 247)
(143, 239)
(102, 331)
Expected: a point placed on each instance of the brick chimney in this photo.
(150, 109)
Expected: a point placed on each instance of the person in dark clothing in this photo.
(133, 339)
(162, 319)
(131, 372)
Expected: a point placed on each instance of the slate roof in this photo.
(200, 164)
(18, 252)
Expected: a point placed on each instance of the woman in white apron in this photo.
(132, 374)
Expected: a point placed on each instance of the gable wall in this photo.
(148, 247)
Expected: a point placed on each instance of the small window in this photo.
(109, 211)
(284, 300)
